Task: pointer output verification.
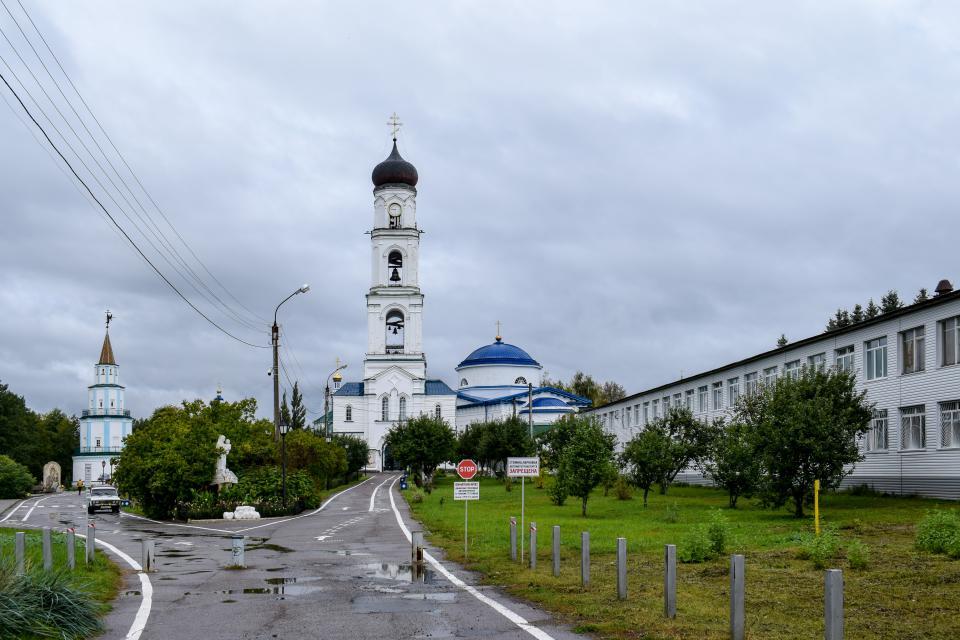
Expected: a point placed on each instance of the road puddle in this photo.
(396, 571)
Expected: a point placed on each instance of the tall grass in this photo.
(44, 604)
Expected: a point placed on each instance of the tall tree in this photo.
(284, 409)
(298, 412)
(357, 451)
(872, 310)
(502, 439)
(921, 296)
(586, 459)
(857, 314)
(782, 341)
(422, 443)
(890, 302)
(691, 442)
(611, 391)
(733, 464)
(646, 456)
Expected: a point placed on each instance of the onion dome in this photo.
(499, 353)
(394, 170)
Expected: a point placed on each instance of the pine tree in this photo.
(298, 412)
(782, 341)
(844, 320)
(872, 310)
(890, 302)
(284, 409)
(857, 315)
(831, 325)
(921, 296)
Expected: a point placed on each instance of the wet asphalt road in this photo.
(343, 572)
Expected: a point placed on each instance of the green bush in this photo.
(858, 554)
(696, 546)
(939, 532)
(623, 489)
(416, 496)
(672, 513)
(44, 604)
(15, 479)
(558, 491)
(718, 531)
(819, 549)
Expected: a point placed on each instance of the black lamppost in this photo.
(103, 471)
(284, 427)
(327, 423)
(275, 372)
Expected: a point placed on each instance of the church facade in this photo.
(104, 423)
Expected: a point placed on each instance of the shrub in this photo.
(864, 490)
(718, 531)
(558, 491)
(15, 479)
(938, 532)
(44, 604)
(819, 549)
(672, 513)
(858, 554)
(623, 489)
(416, 496)
(696, 546)
(508, 484)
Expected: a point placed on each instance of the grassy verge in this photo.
(61, 603)
(900, 594)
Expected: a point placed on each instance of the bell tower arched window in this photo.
(403, 408)
(520, 380)
(349, 416)
(436, 412)
(385, 409)
(394, 331)
(395, 268)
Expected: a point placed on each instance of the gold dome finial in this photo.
(498, 337)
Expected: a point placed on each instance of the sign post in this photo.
(816, 506)
(522, 468)
(466, 491)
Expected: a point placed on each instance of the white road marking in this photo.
(14, 510)
(174, 524)
(184, 543)
(373, 496)
(507, 613)
(146, 590)
(307, 515)
(26, 517)
(321, 538)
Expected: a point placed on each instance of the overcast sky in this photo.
(633, 189)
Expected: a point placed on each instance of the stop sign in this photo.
(466, 469)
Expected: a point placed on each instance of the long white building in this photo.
(907, 360)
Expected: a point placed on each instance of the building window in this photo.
(877, 436)
(817, 361)
(98, 443)
(100, 402)
(913, 427)
(750, 383)
(950, 341)
(520, 380)
(717, 396)
(733, 390)
(656, 409)
(911, 350)
(666, 405)
(463, 382)
(950, 424)
(403, 409)
(844, 359)
(111, 404)
(791, 370)
(689, 399)
(626, 413)
(876, 356)
(677, 400)
(349, 414)
(394, 332)
(769, 376)
(385, 408)
(636, 414)
(646, 413)
(395, 268)
(702, 398)
(436, 412)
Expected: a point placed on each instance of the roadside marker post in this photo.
(533, 545)
(416, 548)
(513, 538)
(737, 593)
(816, 507)
(20, 551)
(91, 545)
(833, 604)
(522, 468)
(71, 549)
(670, 581)
(47, 543)
(556, 551)
(584, 558)
(621, 568)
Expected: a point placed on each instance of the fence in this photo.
(67, 539)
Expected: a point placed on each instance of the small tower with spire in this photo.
(105, 422)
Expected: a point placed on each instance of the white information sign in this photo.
(523, 467)
(466, 490)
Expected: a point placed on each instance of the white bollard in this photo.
(621, 568)
(670, 581)
(146, 555)
(47, 543)
(833, 604)
(91, 545)
(236, 548)
(584, 558)
(416, 548)
(533, 545)
(556, 550)
(71, 549)
(737, 591)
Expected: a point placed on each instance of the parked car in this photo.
(103, 497)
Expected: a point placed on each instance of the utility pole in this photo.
(276, 378)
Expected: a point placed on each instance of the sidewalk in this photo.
(6, 505)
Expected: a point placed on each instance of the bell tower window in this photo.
(394, 332)
(385, 409)
(394, 212)
(395, 268)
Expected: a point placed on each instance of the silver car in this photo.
(104, 497)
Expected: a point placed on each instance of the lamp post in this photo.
(103, 471)
(326, 402)
(275, 335)
(284, 427)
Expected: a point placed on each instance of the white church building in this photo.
(104, 423)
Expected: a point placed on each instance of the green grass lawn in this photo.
(901, 594)
(100, 579)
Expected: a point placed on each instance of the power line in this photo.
(113, 220)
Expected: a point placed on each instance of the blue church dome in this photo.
(499, 353)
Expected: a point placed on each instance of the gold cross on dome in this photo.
(499, 337)
(394, 124)
(109, 318)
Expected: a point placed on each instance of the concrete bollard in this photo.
(556, 550)
(833, 604)
(47, 544)
(513, 539)
(533, 545)
(236, 548)
(670, 581)
(584, 558)
(621, 568)
(91, 545)
(737, 615)
(71, 549)
(20, 551)
(146, 555)
(416, 547)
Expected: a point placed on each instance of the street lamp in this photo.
(327, 426)
(103, 470)
(276, 363)
(284, 427)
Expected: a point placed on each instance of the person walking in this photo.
(79, 487)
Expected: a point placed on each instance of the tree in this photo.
(645, 457)
(610, 392)
(921, 296)
(586, 459)
(872, 310)
(890, 302)
(502, 439)
(33, 439)
(734, 465)
(15, 479)
(583, 384)
(422, 443)
(691, 442)
(857, 314)
(298, 412)
(468, 443)
(805, 429)
(782, 341)
(553, 441)
(356, 451)
(311, 452)
(285, 410)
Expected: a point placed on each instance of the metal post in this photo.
(71, 549)
(556, 550)
(522, 506)
(833, 605)
(47, 549)
(466, 521)
(530, 407)
(533, 545)
(416, 547)
(237, 550)
(20, 552)
(283, 463)
(326, 409)
(670, 581)
(275, 340)
(736, 597)
(91, 545)
(584, 558)
(621, 568)
(146, 555)
(513, 539)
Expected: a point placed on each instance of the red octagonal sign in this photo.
(466, 469)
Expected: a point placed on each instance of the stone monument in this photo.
(51, 477)
(223, 475)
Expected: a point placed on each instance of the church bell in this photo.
(395, 276)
